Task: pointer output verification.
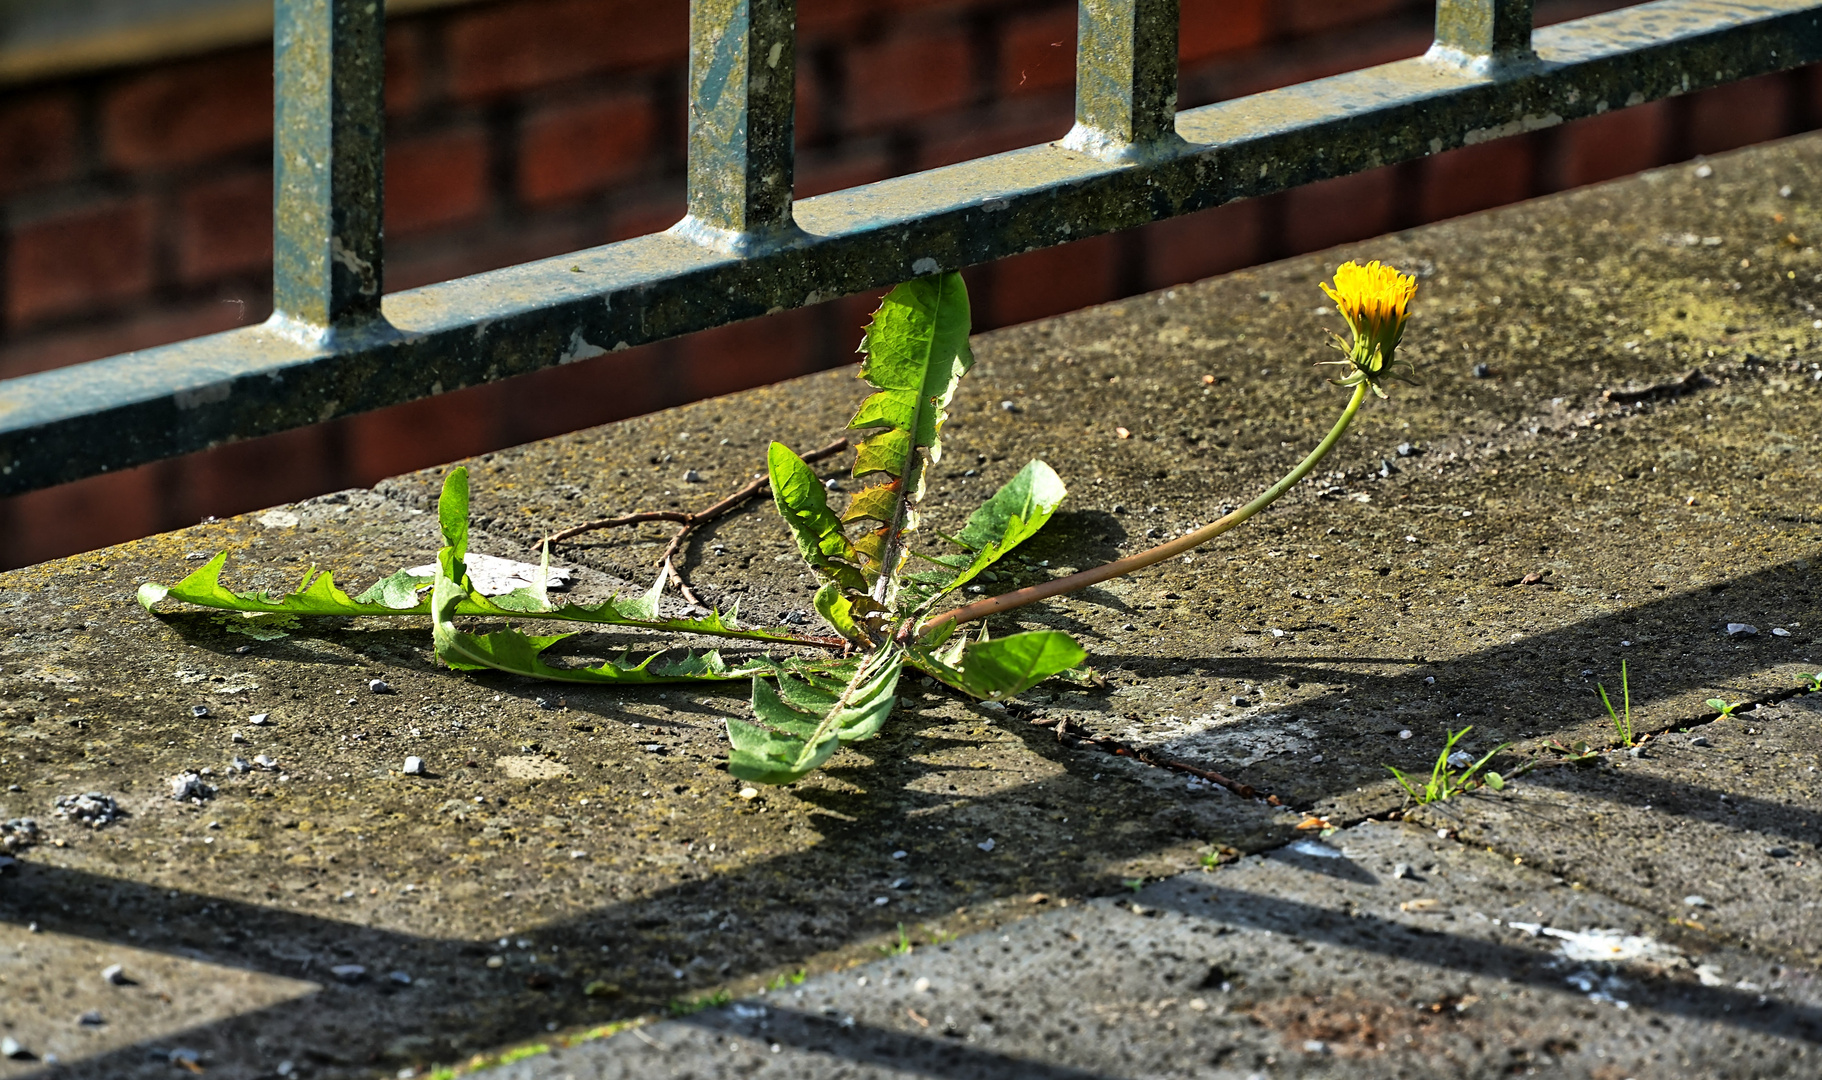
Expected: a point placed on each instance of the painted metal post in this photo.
(742, 83)
(328, 160)
(1483, 35)
(1126, 80)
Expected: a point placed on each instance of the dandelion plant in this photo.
(881, 588)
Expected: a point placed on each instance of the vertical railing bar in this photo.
(742, 94)
(1482, 35)
(1126, 79)
(328, 160)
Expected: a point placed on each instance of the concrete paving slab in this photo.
(1289, 964)
(1559, 495)
(1716, 827)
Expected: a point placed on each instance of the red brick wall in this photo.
(135, 203)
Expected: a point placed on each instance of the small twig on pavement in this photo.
(688, 521)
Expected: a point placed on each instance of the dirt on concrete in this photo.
(1558, 494)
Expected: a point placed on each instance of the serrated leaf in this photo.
(316, 595)
(1010, 517)
(917, 351)
(520, 654)
(883, 452)
(799, 724)
(804, 504)
(398, 591)
(877, 502)
(1001, 667)
(319, 596)
(916, 354)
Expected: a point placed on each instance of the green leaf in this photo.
(452, 514)
(319, 596)
(398, 591)
(917, 351)
(1012, 516)
(398, 594)
(519, 654)
(916, 354)
(1001, 667)
(1496, 781)
(799, 724)
(316, 595)
(804, 504)
(843, 611)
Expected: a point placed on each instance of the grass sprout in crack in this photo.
(1445, 781)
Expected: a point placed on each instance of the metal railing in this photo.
(334, 346)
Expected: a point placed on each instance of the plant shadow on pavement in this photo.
(822, 897)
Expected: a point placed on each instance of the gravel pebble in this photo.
(91, 808)
(1734, 629)
(379, 686)
(189, 787)
(18, 834)
(259, 719)
(199, 711)
(414, 766)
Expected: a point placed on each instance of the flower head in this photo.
(1375, 299)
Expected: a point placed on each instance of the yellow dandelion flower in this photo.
(1375, 299)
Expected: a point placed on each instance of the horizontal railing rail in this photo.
(335, 346)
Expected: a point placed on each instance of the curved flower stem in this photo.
(993, 605)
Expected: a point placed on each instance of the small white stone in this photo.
(1779, 631)
(414, 766)
(1734, 629)
(1405, 734)
(921, 986)
(749, 793)
(985, 845)
(258, 719)
(114, 975)
(379, 686)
